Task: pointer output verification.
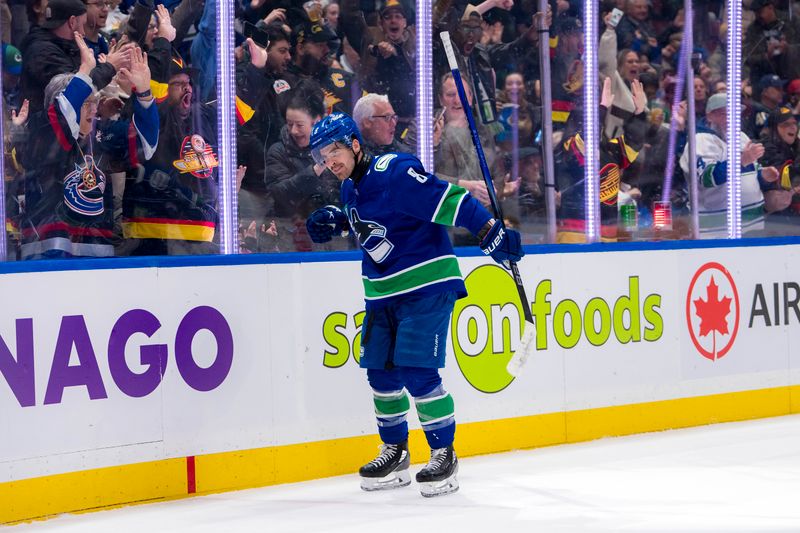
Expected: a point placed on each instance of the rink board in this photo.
(172, 377)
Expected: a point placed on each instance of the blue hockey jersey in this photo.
(399, 213)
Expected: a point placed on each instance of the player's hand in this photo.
(325, 222)
(502, 244)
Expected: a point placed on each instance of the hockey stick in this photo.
(526, 345)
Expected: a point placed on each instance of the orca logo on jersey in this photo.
(372, 236)
(383, 162)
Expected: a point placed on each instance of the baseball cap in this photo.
(781, 114)
(793, 87)
(756, 5)
(178, 66)
(393, 5)
(12, 60)
(716, 101)
(313, 31)
(771, 80)
(59, 11)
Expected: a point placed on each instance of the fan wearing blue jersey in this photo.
(400, 213)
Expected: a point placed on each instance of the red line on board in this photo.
(191, 484)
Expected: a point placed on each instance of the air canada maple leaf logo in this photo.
(712, 310)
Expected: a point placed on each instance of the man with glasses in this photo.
(377, 121)
(96, 15)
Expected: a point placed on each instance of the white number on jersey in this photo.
(416, 175)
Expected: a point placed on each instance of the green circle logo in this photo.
(486, 328)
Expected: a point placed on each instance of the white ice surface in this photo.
(724, 478)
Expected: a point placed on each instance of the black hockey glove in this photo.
(326, 222)
(502, 244)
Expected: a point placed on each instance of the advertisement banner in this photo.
(184, 361)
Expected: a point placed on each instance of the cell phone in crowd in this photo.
(616, 16)
(259, 36)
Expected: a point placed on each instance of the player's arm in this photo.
(422, 195)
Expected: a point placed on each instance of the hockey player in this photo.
(399, 213)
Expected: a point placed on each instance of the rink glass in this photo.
(179, 203)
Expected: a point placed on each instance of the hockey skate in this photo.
(438, 477)
(389, 470)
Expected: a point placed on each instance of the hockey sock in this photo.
(436, 412)
(391, 408)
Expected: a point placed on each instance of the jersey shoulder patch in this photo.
(382, 163)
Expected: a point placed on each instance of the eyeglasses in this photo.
(101, 5)
(387, 118)
(470, 29)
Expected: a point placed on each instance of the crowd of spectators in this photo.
(110, 115)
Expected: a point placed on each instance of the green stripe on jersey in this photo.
(719, 219)
(447, 210)
(432, 411)
(427, 273)
(393, 404)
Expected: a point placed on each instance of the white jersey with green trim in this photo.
(399, 214)
(712, 178)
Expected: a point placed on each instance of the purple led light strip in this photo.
(226, 130)
(425, 83)
(591, 126)
(734, 119)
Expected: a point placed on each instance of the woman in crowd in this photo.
(298, 185)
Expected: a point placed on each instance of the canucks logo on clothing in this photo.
(372, 236)
(84, 188)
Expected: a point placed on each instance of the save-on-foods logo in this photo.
(486, 326)
(712, 310)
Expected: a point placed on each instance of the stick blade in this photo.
(526, 348)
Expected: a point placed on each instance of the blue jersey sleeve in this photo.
(422, 195)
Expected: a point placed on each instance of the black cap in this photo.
(781, 114)
(59, 11)
(756, 5)
(393, 5)
(178, 66)
(315, 32)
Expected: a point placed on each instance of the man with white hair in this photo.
(377, 121)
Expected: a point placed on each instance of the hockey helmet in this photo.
(336, 127)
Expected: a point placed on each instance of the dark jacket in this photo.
(756, 46)
(290, 178)
(254, 139)
(616, 155)
(394, 76)
(44, 56)
(783, 157)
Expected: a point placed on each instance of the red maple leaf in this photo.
(713, 312)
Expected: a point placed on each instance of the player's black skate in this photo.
(389, 470)
(438, 477)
